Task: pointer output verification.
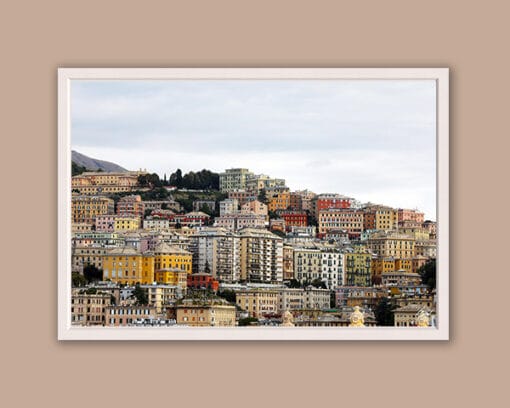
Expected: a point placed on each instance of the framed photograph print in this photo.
(253, 204)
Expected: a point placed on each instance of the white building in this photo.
(229, 206)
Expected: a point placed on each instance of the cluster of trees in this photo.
(316, 283)
(90, 274)
(427, 273)
(76, 169)
(202, 180)
(150, 181)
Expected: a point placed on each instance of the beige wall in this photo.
(469, 37)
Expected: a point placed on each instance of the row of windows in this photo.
(137, 312)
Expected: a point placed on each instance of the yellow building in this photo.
(126, 223)
(85, 209)
(392, 244)
(387, 265)
(128, 266)
(416, 231)
(278, 200)
(357, 267)
(172, 276)
(378, 217)
(169, 256)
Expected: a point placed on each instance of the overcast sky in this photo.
(371, 140)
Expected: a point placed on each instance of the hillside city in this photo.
(241, 249)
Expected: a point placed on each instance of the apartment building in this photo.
(261, 256)
(391, 244)
(410, 215)
(378, 217)
(349, 220)
(93, 183)
(357, 267)
(234, 179)
(85, 209)
(229, 206)
(128, 266)
(88, 308)
(127, 315)
(217, 251)
(254, 207)
(236, 222)
(126, 223)
(205, 313)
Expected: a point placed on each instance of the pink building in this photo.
(410, 215)
(254, 207)
(105, 223)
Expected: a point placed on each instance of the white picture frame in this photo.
(68, 332)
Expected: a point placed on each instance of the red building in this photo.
(331, 201)
(202, 281)
(192, 219)
(294, 219)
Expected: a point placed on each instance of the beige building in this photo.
(128, 315)
(82, 256)
(162, 296)
(81, 227)
(288, 262)
(259, 302)
(347, 219)
(407, 316)
(400, 278)
(93, 183)
(207, 313)
(89, 309)
(84, 209)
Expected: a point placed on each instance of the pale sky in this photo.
(373, 140)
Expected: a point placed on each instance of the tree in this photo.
(317, 283)
(262, 197)
(247, 321)
(428, 273)
(206, 209)
(141, 295)
(76, 169)
(332, 300)
(228, 295)
(78, 279)
(92, 273)
(176, 179)
(384, 313)
(294, 283)
(149, 180)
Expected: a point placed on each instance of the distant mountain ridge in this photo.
(95, 164)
